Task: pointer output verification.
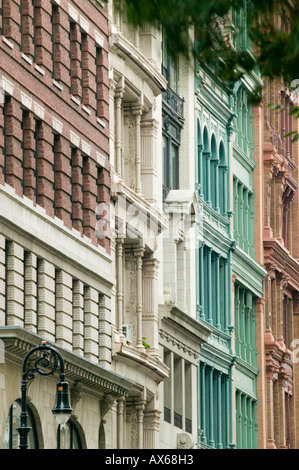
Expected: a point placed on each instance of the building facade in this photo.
(278, 251)
(149, 219)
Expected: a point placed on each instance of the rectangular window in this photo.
(169, 66)
(55, 42)
(36, 156)
(56, 143)
(72, 33)
(84, 68)
(170, 163)
(99, 80)
(25, 115)
(73, 153)
(84, 185)
(35, 12)
(7, 100)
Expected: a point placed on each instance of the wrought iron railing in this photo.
(174, 101)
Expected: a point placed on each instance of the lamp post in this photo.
(45, 365)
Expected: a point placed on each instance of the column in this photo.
(246, 222)
(226, 294)
(78, 317)
(30, 291)
(245, 421)
(270, 433)
(211, 408)
(105, 333)
(119, 91)
(203, 408)
(202, 281)
(119, 285)
(46, 299)
(208, 160)
(137, 111)
(218, 292)
(200, 179)
(258, 325)
(239, 419)
(227, 414)
(15, 284)
(217, 208)
(250, 325)
(63, 305)
(120, 422)
(209, 284)
(219, 411)
(241, 216)
(150, 317)
(140, 409)
(250, 424)
(139, 306)
(236, 210)
(91, 324)
(151, 421)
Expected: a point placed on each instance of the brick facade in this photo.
(55, 109)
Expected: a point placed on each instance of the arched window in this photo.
(68, 437)
(206, 166)
(222, 179)
(11, 436)
(214, 174)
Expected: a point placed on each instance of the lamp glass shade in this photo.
(62, 418)
(62, 409)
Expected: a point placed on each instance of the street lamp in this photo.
(44, 366)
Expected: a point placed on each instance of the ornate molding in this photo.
(77, 369)
(278, 260)
(179, 344)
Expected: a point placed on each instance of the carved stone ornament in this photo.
(185, 441)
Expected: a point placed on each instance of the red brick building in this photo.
(54, 148)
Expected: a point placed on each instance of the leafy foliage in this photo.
(275, 50)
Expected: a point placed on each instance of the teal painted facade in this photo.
(214, 263)
(228, 372)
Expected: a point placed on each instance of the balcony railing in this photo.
(174, 101)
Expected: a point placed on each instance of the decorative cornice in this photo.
(152, 74)
(18, 342)
(179, 344)
(277, 258)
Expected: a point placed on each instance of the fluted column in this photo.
(218, 293)
(219, 415)
(203, 402)
(120, 422)
(139, 307)
(137, 111)
(211, 408)
(151, 422)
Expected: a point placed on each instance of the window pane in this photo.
(11, 437)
